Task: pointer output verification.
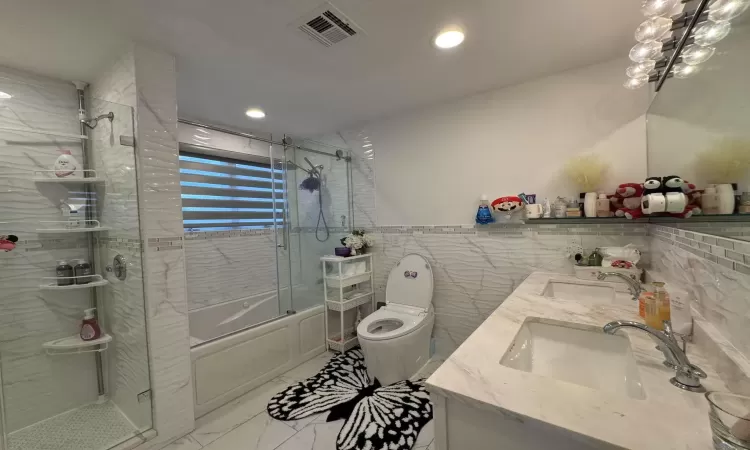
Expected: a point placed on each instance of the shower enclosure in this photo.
(259, 214)
(57, 390)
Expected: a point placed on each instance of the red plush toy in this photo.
(629, 195)
(693, 201)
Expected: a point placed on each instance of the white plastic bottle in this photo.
(66, 165)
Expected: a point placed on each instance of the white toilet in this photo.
(396, 338)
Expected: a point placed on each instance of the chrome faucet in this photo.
(633, 285)
(687, 375)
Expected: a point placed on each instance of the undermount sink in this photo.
(578, 354)
(583, 292)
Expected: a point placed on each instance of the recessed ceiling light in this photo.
(255, 113)
(5, 95)
(449, 38)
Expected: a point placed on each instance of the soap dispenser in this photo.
(484, 213)
(89, 326)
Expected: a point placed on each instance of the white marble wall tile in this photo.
(117, 82)
(164, 271)
(156, 118)
(473, 274)
(720, 294)
(225, 269)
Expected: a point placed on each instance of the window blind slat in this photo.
(227, 194)
(261, 184)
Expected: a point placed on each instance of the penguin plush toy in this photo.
(673, 194)
(653, 200)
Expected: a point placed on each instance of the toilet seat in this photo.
(390, 322)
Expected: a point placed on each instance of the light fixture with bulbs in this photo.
(449, 37)
(255, 113)
(660, 54)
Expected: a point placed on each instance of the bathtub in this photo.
(225, 368)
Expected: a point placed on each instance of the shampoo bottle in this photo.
(90, 327)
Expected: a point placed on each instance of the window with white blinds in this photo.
(220, 194)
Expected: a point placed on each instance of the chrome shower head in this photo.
(94, 121)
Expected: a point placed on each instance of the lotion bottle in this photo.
(89, 326)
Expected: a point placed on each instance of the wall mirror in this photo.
(698, 126)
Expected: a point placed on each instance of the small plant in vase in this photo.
(358, 242)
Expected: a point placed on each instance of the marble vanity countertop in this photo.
(668, 418)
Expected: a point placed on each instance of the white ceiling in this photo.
(233, 54)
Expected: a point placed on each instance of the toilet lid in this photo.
(410, 283)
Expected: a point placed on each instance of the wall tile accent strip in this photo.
(166, 243)
(31, 245)
(518, 229)
(120, 243)
(226, 234)
(730, 229)
(729, 253)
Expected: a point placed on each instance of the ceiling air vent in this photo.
(327, 25)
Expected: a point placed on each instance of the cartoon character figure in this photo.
(65, 165)
(676, 200)
(8, 243)
(672, 183)
(653, 200)
(508, 204)
(629, 196)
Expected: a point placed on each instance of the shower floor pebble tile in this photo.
(90, 427)
(243, 424)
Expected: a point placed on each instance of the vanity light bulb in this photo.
(685, 70)
(645, 51)
(636, 82)
(642, 68)
(651, 8)
(711, 32)
(653, 29)
(695, 54)
(724, 10)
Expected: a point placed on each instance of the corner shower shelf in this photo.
(96, 281)
(348, 280)
(48, 176)
(58, 226)
(74, 344)
(48, 133)
(350, 341)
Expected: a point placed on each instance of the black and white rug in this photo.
(376, 417)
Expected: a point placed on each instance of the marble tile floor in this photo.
(244, 424)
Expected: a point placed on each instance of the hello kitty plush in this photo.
(8, 243)
(66, 165)
(693, 201)
(629, 195)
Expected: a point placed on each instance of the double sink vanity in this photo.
(541, 372)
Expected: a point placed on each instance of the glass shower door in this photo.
(319, 198)
(57, 390)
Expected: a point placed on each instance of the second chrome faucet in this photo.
(687, 376)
